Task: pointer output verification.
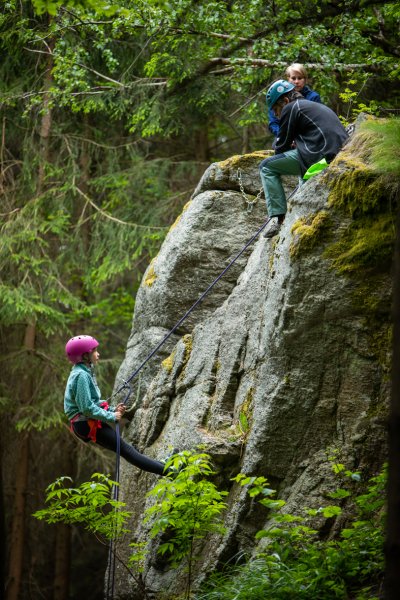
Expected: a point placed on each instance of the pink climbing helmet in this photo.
(78, 345)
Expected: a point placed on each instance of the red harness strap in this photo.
(94, 424)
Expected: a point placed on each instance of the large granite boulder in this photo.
(281, 339)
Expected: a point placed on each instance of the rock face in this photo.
(279, 339)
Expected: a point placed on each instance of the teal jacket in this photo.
(82, 396)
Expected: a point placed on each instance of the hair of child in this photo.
(298, 68)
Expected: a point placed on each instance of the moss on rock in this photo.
(151, 275)
(364, 182)
(168, 363)
(188, 343)
(308, 232)
(241, 160)
(179, 217)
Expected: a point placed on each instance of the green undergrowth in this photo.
(295, 563)
(185, 509)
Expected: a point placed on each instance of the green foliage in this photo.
(53, 6)
(294, 563)
(89, 505)
(179, 76)
(186, 505)
(186, 508)
(350, 96)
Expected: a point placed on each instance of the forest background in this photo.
(110, 113)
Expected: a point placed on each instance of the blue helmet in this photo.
(276, 90)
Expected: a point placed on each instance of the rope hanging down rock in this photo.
(126, 384)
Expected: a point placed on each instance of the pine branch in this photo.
(260, 62)
(115, 219)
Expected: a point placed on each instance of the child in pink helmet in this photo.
(91, 418)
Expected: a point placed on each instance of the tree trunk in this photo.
(392, 546)
(21, 484)
(62, 562)
(245, 141)
(45, 124)
(3, 537)
(202, 150)
(62, 567)
(27, 386)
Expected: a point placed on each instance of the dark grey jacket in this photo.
(314, 128)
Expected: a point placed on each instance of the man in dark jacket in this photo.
(308, 133)
(274, 122)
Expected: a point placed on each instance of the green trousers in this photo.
(271, 170)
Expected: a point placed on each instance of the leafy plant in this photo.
(185, 504)
(295, 563)
(88, 505)
(186, 508)
(351, 96)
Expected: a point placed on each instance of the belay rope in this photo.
(126, 384)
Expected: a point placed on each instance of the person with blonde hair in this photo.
(297, 75)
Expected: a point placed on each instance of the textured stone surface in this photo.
(278, 337)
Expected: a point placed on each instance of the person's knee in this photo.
(264, 164)
(265, 168)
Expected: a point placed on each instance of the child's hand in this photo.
(119, 411)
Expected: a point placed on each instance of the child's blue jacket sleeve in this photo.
(273, 122)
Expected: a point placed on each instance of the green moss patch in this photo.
(308, 232)
(242, 160)
(366, 245)
(364, 181)
(151, 275)
(168, 362)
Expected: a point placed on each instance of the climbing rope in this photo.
(126, 383)
(126, 386)
(115, 496)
